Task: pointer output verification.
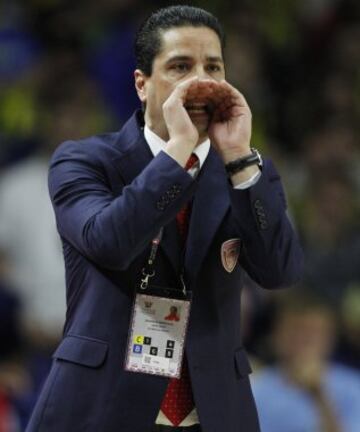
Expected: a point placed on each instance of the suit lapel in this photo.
(134, 157)
(134, 153)
(209, 208)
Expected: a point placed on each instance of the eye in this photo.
(180, 67)
(214, 68)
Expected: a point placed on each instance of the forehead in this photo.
(189, 41)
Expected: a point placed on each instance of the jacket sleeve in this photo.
(112, 230)
(272, 255)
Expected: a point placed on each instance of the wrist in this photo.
(231, 154)
(238, 165)
(179, 149)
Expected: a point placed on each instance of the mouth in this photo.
(198, 108)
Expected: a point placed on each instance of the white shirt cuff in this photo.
(250, 182)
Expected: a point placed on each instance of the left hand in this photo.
(230, 127)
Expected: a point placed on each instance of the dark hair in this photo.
(148, 37)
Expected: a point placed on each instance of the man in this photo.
(112, 196)
(312, 392)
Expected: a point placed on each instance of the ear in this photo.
(140, 84)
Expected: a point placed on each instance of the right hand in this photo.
(178, 122)
(183, 134)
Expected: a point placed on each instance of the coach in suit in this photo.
(113, 192)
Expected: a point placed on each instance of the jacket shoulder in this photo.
(108, 145)
(91, 148)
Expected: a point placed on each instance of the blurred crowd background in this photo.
(66, 71)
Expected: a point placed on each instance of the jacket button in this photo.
(263, 225)
(160, 205)
(260, 213)
(262, 218)
(257, 204)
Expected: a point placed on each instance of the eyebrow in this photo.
(215, 59)
(211, 59)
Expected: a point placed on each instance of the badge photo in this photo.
(230, 251)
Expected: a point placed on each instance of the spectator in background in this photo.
(19, 54)
(15, 383)
(9, 313)
(28, 233)
(329, 228)
(332, 146)
(348, 349)
(311, 392)
(70, 108)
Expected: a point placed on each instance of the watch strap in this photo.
(254, 158)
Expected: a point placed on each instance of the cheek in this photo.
(166, 89)
(159, 93)
(153, 104)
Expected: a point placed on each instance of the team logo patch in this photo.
(230, 251)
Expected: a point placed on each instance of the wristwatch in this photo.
(254, 158)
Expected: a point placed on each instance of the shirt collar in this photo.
(157, 144)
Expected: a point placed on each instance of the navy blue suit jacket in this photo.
(111, 196)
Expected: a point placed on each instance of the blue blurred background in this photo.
(66, 71)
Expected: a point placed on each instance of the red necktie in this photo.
(178, 401)
(183, 217)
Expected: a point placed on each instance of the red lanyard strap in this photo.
(149, 270)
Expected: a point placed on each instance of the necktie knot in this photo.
(193, 160)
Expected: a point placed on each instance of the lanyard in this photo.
(149, 270)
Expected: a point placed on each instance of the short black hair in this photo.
(148, 37)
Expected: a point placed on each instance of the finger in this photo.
(226, 113)
(232, 112)
(181, 90)
(227, 102)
